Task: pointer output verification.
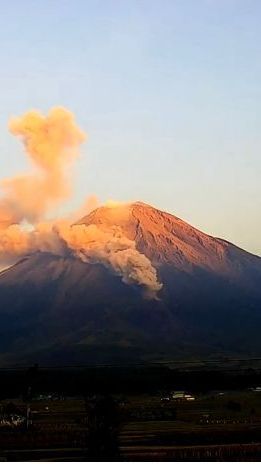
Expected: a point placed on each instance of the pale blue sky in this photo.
(169, 92)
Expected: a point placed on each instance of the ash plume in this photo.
(52, 144)
(110, 247)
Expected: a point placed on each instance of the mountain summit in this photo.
(57, 308)
(166, 239)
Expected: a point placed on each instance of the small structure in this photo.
(256, 389)
(165, 398)
(182, 396)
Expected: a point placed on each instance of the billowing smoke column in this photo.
(114, 250)
(52, 144)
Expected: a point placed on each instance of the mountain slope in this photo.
(167, 240)
(60, 309)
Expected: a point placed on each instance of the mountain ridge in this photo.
(59, 308)
(182, 246)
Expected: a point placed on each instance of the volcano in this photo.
(59, 309)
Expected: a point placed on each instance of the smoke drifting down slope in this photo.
(52, 144)
(55, 307)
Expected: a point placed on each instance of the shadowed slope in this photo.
(59, 309)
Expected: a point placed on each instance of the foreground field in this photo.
(215, 425)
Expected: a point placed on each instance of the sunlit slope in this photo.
(57, 309)
(167, 240)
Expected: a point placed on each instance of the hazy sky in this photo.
(169, 92)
